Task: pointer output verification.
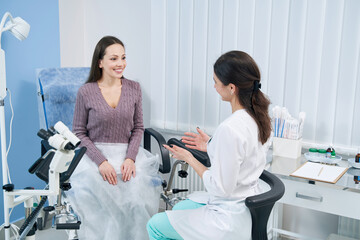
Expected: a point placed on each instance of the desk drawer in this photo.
(321, 198)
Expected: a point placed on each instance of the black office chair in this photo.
(260, 206)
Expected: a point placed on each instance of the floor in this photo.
(53, 234)
(46, 234)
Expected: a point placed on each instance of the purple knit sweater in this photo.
(96, 121)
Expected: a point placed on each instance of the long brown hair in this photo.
(99, 52)
(240, 69)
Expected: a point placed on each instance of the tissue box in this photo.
(288, 148)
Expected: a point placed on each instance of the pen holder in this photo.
(288, 148)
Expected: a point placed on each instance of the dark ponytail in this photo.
(240, 69)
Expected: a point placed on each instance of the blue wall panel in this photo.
(40, 50)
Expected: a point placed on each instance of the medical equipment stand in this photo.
(65, 142)
(20, 29)
(168, 192)
(4, 169)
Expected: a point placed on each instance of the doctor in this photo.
(237, 154)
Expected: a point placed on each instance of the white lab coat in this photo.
(237, 161)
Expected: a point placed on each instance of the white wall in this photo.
(84, 23)
(308, 52)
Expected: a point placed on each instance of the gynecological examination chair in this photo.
(57, 89)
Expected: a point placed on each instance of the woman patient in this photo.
(112, 187)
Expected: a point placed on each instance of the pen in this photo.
(320, 171)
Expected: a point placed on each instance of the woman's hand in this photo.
(196, 141)
(127, 169)
(179, 153)
(108, 173)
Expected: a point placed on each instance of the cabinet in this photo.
(340, 199)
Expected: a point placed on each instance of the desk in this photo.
(341, 198)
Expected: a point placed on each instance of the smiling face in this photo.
(113, 63)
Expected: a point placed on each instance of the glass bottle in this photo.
(328, 152)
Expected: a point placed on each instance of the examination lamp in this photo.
(20, 29)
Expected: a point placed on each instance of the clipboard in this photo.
(320, 172)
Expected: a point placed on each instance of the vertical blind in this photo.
(308, 53)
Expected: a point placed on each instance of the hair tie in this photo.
(257, 86)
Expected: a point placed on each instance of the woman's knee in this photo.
(159, 227)
(153, 226)
(155, 220)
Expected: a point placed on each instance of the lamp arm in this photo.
(3, 20)
(9, 27)
(7, 14)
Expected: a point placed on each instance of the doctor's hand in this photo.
(196, 141)
(179, 153)
(127, 169)
(108, 173)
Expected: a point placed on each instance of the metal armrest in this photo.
(165, 166)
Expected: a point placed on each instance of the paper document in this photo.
(319, 172)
